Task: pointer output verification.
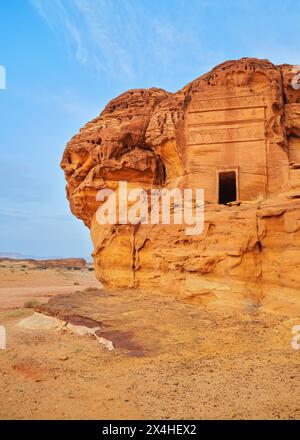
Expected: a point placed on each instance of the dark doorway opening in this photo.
(227, 187)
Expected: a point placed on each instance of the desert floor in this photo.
(174, 358)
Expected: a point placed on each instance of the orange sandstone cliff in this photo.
(235, 132)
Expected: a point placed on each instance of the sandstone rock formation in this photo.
(235, 132)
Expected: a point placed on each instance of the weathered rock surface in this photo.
(243, 118)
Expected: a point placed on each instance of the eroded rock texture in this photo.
(242, 118)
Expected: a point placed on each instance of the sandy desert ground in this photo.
(20, 281)
(173, 358)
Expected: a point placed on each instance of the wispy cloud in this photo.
(87, 27)
(118, 37)
(61, 20)
(144, 40)
(12, 213)
(67, 102)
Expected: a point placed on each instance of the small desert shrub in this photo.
(31, 304)
(90, 289)
(76, 283)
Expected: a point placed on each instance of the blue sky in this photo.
(65, 59)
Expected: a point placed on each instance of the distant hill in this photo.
(15, 256)
(63, 263)
(19, 256)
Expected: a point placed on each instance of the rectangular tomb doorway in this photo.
(227, 187)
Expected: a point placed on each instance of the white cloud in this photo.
(97, 34)
(118, 37)
(60, 20)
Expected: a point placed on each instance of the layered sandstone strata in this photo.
(240, 121)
